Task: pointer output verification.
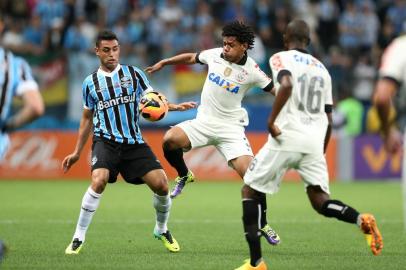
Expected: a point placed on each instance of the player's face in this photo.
(108, 52)
(233, 50)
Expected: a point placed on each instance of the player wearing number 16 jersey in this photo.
(300, 128)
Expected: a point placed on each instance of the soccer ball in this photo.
(153, 106)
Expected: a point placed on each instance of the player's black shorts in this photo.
(132, 161)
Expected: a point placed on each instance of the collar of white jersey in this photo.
(241, 62)
(105, 73)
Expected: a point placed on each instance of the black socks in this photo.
(339, 210)
(175, 158)
(250, 219)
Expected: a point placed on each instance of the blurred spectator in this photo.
(170, 12)
(339, 66)
(35, 36)
(387, 34)
(397, 15)
(51, 12)
(350, 28)
(328, 23)
(13, 38)
(112, 10)
(80, 36)
(364, 80)
(370, 25)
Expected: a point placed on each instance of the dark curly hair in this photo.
(243, 32)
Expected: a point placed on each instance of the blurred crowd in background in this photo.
(349, 36)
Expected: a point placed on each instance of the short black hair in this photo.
(298, 30)
(105, 35)
(244, 33)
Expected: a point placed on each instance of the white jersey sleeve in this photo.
(260, 79)
(206, 55)
(394, 61)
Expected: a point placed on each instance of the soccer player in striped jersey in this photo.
(300, 129)
(220, 119)
(110, 96)
(16, 80)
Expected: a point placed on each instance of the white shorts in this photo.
(269, 166)
(229, 139)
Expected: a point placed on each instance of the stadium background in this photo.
(38, 211)
(57, 38)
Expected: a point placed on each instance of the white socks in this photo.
(162, 205)
(90, 203)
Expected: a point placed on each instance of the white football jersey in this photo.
(394, 60)
(225, 87)
(302, 121)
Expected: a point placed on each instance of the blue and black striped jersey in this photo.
(15, 78)
(114, 98)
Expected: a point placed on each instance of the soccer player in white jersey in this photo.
(392, 78)
(220, 120)
(300, 128)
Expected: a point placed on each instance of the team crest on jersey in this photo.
(125, 81)
(242, 76)
(227, 71)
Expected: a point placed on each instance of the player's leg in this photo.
(157, 181)
(174, 141)
(104, 169)
(313, 169)
(139, 165)
(251, 209)
(240, 165)
(322, 203)
(90, 203)
(183, 137)
(264, 175)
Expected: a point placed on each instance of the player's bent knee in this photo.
(160, 187)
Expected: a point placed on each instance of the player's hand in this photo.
(393, 141)
(68, 161)
(182, 106)
(151, 69)
(274, 130)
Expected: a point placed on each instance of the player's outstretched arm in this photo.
(85, 128)
(184, 106)
(184, 58)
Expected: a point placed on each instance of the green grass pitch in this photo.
(37, 220)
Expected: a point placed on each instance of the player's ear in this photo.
(96, 50)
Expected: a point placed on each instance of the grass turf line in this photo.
(37, 220)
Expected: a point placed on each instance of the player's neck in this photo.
(296, 45)
(107, 69)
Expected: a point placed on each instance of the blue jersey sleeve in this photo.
(88, 100)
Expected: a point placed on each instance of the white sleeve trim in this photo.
(25, 86)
